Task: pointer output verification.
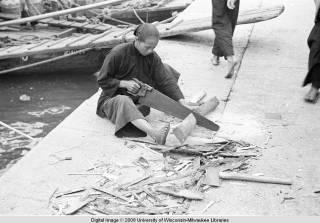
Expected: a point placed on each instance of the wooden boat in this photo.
(151, 11)
(85, 52)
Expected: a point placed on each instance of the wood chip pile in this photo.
(167, 185)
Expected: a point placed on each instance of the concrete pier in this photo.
(263, 105)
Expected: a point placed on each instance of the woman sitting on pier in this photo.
(135, 60)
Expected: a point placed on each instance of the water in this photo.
(35, 104)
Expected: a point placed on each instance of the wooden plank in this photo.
(246, 177)
(62, 45)
(79, 25)
(58, 41)
(18, 49)
(114, 194)
(65, 33)
(59, 13)
(39, 44)
(97, 37)
(245, 17)
(188, 194)
(79, 39)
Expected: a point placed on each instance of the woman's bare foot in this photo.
(312, 95)
(160, 136)
(231, 67)
(215, 60)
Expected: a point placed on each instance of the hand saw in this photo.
(150, 97)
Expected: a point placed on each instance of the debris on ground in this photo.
(24, 97)
(165, 186)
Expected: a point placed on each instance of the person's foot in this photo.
(161, 135)
(215, 60)
(312, 95)
(231, 69)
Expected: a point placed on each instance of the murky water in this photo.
(35, 104)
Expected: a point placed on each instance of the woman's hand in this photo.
(132, 86)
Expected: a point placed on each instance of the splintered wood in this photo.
(165, 186)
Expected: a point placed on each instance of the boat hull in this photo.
(87, 62)
(148, 15)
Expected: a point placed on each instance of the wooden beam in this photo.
(59, 13)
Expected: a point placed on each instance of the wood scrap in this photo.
(51, 196)
(188, 194)
(237, 154)
(114, 194)
(159, 180)
(139, 140)
(70, 192)
(210, 177)
(208, 206)
(89, 174)
(138, 199)
(218, 149)
(246, 177)
(140, 179)
(76, 206)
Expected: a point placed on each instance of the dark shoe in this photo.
(312, 96)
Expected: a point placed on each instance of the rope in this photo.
(138, 17)
(43, 62)
(117, 20)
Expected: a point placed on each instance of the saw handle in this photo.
(142, 90)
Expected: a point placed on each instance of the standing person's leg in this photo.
(215, 60)
(218, 11)
(313, 93)
(231, 65)
(223, 24)
(121, 111)
(233, 18)
(313, 76)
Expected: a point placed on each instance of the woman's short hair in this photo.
(146, 30)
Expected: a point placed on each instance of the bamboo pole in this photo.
(59, 13)
(16, 130)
